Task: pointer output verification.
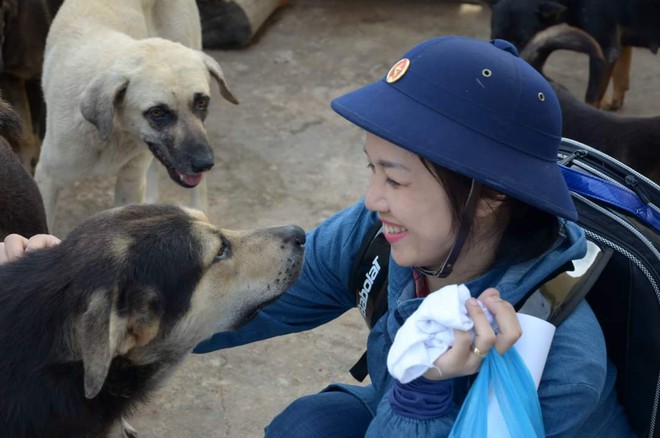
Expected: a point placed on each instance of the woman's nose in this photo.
(374, 199)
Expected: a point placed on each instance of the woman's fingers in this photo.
(506, 318)
(467, 353)
(484, 334)
(15, 245)
(12, 248)
(39, 241)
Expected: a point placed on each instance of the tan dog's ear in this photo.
(99, 98)
(104, 334)
(216, 72)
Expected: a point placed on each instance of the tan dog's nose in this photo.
(202, 161)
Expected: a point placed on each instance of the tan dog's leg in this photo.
(620, 79)
(50, 191)
(131, 180)
(153, 180)
(199, 196)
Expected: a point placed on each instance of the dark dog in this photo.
(634, 141)
(228, 24)
(24, 25)
(21, 207)
(90, 327)
(615, 24)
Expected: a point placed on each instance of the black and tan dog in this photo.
(90, 327)
(634, 141)
(617, 25)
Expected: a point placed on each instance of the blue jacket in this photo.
(577, 387)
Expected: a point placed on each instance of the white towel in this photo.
(428, 332)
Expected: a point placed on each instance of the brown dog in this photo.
(89, 328)
(21, 207)
(634, 141)
(24, 25)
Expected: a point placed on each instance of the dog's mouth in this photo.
(186, 180)
(251, 314)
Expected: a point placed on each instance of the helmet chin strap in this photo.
(467, 218)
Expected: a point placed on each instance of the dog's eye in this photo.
(156, 112)
(202, 103)
(224, 253)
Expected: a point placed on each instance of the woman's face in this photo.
(410, 202)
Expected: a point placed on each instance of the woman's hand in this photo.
(16, 245)
(466, 356)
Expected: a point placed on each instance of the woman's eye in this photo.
(223, 254)
(392, 183)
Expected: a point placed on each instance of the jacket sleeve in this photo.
(321, 292)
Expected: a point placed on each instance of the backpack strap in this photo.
(368, 276)
(368, 279)
(569, 288)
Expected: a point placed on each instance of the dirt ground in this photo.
(283, 156)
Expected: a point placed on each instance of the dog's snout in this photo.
(292, 234)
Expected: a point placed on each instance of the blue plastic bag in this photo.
(516, 395)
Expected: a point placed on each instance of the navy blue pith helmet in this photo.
(476, 108)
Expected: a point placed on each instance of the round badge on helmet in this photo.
(398, 70)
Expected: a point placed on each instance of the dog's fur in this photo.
(634, 141)
(21, 207)
(24, 25)
(120, 88)
(617, 25)
(90, 327)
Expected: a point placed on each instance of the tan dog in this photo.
(122, 85)
(91, 327)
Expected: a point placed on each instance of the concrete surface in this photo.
(283, 156)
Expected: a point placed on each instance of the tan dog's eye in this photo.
(202, 103)
(156, 113)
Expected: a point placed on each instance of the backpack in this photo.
(619, 210)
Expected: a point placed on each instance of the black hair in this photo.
(529, 231)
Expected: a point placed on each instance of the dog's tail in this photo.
(559, 37)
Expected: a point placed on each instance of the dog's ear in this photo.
(104, 332)
(99, 99)
(216, 72)
(98, 335)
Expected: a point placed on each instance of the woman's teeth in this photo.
(391, 229)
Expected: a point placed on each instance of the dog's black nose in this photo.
(202, 162)
(291, 234)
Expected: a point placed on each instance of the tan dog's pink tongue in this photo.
(191, 180)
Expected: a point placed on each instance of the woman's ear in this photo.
(490, 203)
